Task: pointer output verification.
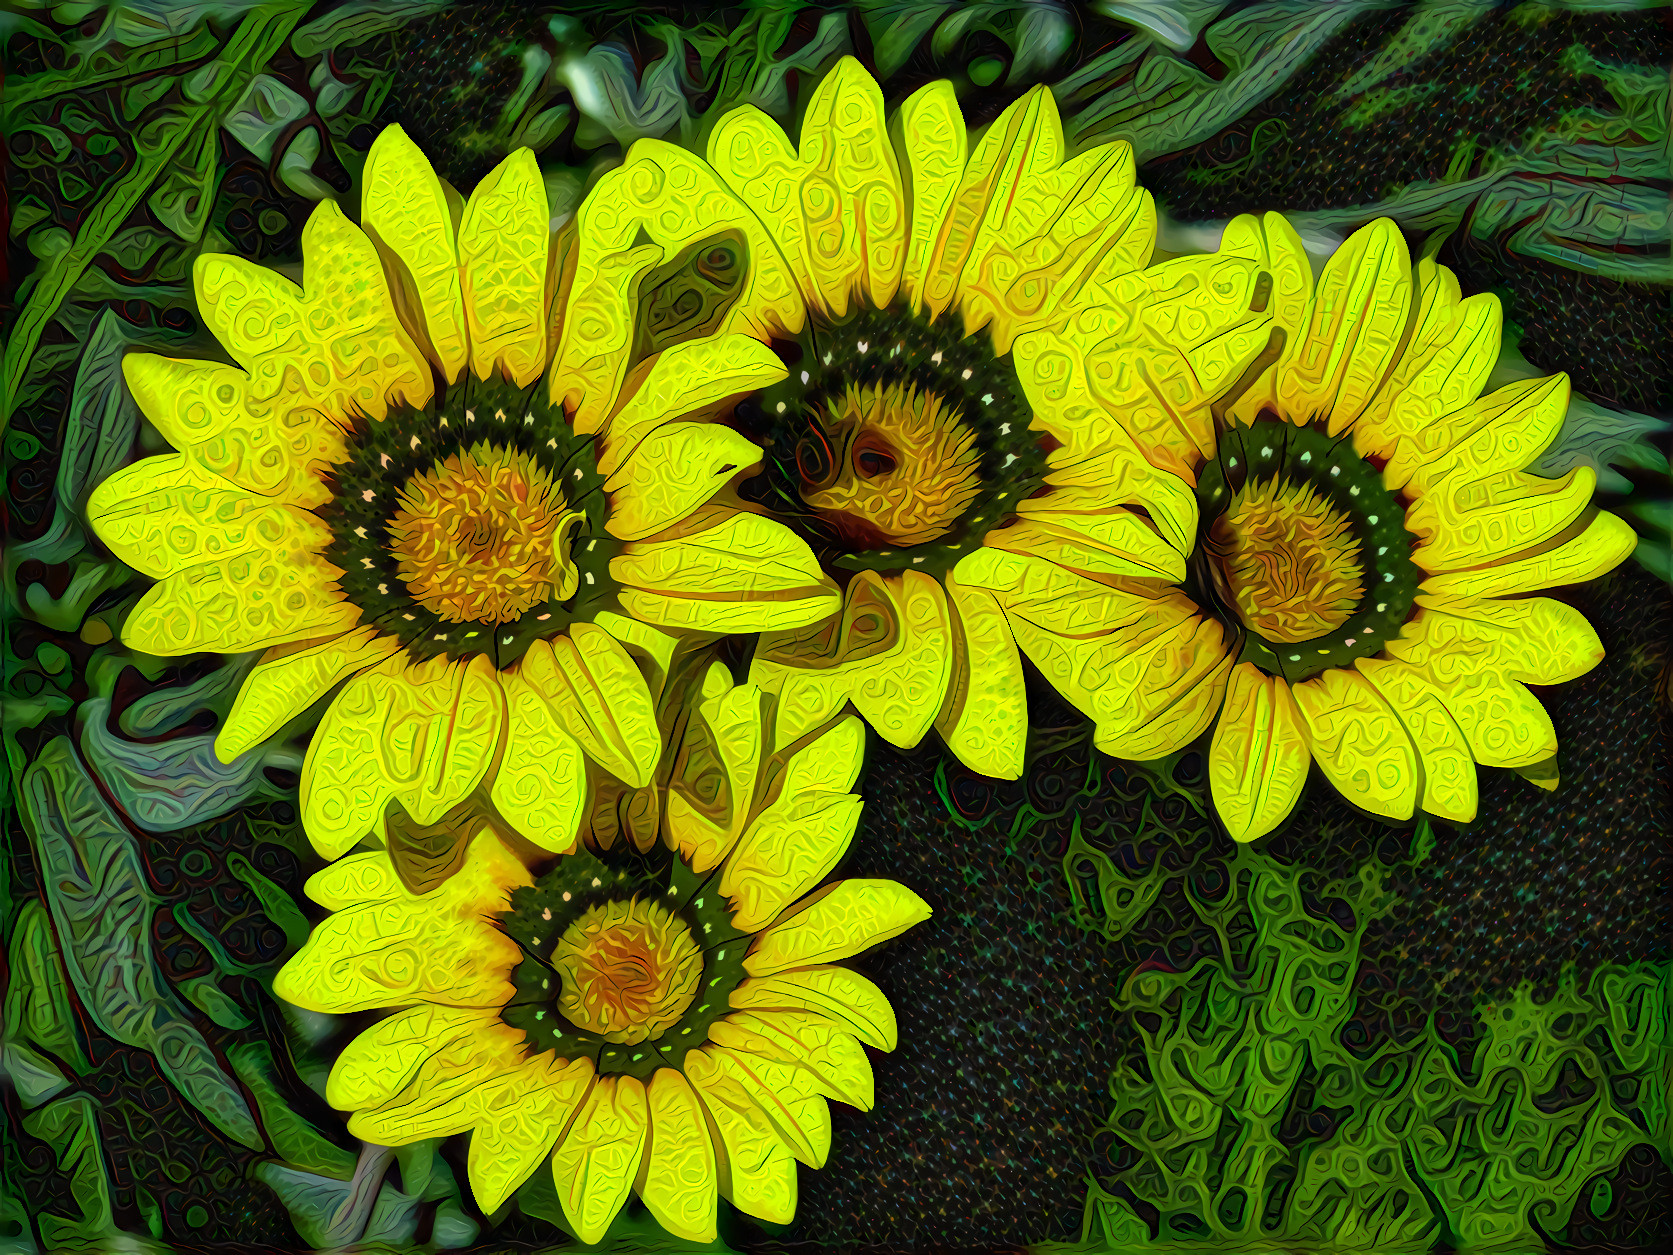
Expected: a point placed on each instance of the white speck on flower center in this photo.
(966, 374)
(366, 495)
(937, 358)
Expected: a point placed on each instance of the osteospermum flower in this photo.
(1367, 536)
(670, 1025)
(915, 275)
(385, 493)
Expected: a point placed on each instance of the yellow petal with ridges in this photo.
(540, 787)
(677, 201)
(932, 147)
(1506, 430)
(516, 1130)
(251, 600)
(1449, 773)
(690, 380)
(595, 1165)
(848, 1000)
(754, 1167)
(1534, 639)
(439, 946)
(745, 574)
(679, 1183)
(734, 722)
(599, 697)
(334, 344)
(835, 206)
(1172, 715)
(672, 472)
(404, 209)
(1503, 722)
(1351, 339)
(1258, 759)
(1119, 544)
(789, 1096)
(288, 680)
(383, 1060)
(1358, 742)
(421, 735)
(357, 880)
(836, 1060)
(984, 715)
(1273, 245)
(1601, 545)
(1471, 522)
(503, 246)
(838, 923)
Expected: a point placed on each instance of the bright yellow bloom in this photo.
(1367, 536)
(383, 493)
(672, 1025)
(919, 271)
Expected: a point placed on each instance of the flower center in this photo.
(483, 536)
(630, 969)
(1290, 559)
(909, 467)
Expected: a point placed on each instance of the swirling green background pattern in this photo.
(1120, 1030)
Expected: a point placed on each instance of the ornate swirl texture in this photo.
(387, 494)
(670, 1024)
(936, 477)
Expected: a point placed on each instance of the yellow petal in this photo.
(929, 136)
(358, 880)
(704, 827)
(280, 447)
(1178, 698)
(754, 1167)
(1119, 544)
(1352, 335)
(287, 681)
(846, 999)
(516, 1127)
(789, 1096)
(1273, 245)
(1453, 348)
(439, 946)
(746, 574)
(838, 923)
(1506, 430)
(1359, 743)
(541, 785)
(384, 1059)
(835, 1060)
(796, 840)
(835, 207)
(168, 514)
(1472, 522)
(251, 600)
(334, 344)
(1601, 545)
(503, 245)
(1258, 759)
(678, 203)
(419, 735)
(1533, 639)
(691, 380)
(404, 208)
(889, 653)
(674, 470)
(599, 697)
(1449, 774)
(680, 1187)
(1504, 724)
(595, 1165)
(984, 716)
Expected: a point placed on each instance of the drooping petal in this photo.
(889, 653)
(984, 715)
(595, 1165)
(1601, 545)
(406, 948)
(1352, 337)
(516, 1128)
(1359, 743)
(789, 1096)
(503, 245)
(420, 735)
(848, 1000)
(745, 574)
(540, 787)
(802, 1039)
(290, 679)
(1449, 773)
(405, 211)
(838, 923)
(932, 147)
(754, 1167)
(1258, 759)
(674, 470)
(835, 206)
(704, 828)
(1467, 522)
(1272, 244)
(1506, 430)
(680, 1187)
(599, 697)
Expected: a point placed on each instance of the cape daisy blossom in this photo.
(1367, 540)
(670, 1026)
(908, 280)
(386, 495)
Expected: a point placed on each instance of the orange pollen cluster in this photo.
(1289, 560)
(484, 536)
(911, 466)
(629, 968)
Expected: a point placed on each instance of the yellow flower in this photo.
(384, 496)
(1367, 537)
(914, 273)
(671, 1025)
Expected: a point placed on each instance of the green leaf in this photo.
(896, 28)
(360, 20)
(276, 904)
(71, 1126)
(1600, 438)
(183, 197)
(297, 1141)
(38, 998)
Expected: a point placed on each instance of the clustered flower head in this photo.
(913, 408)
